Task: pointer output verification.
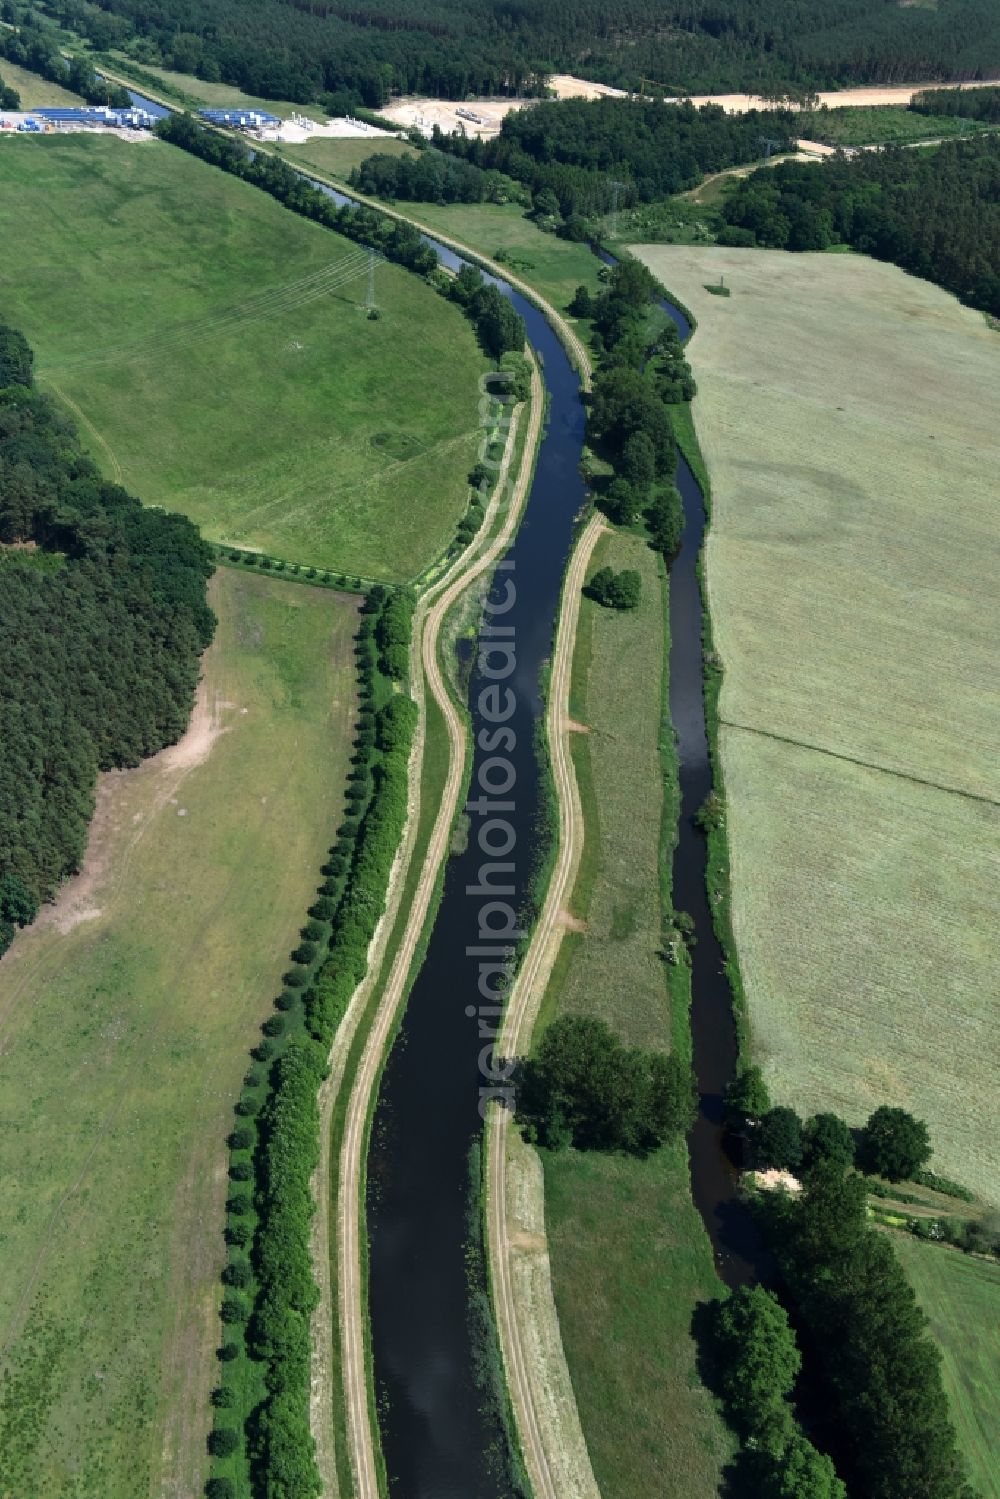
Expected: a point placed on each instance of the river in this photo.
(440, 1437)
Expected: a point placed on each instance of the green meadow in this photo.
(215, 351)
(629, 1255)
(126, 1017)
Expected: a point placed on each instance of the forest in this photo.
(103, 618)
(36, 50)
(575, 156)
(934, 213)
(301, 49)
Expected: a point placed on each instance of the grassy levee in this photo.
(628, 1252)
(127, 1013)
(216, 352)
(961, 1296)
(855, 609)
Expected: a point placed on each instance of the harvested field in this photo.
(215, 349)
(126, 1018)
(847, 415)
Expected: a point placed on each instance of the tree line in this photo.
(303, 49)
(574, 151)
(269, 1291)
(38, 51)
(968, 103)
(103, 618)
(935, 213)
(628, 424)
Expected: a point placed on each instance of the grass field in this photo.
(629, 1255)
(556, 267)
(961, 1296)
(339, 155)
(127, 1014)
(881, 124)
(214, 95)
(36, 92)
(169, 305)
(847, 415)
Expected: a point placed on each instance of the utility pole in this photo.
(370, 300)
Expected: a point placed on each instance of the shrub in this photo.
(305, 953)
(228, 1352)
(264, 1050)
(241, 1139)
(223, 1397)
(747, 1098)
(322, 910)
(247, 1106)
(238, 1234)
(238, 1204)
(314, 931)
(234, 1309)
(220, 1488)
(286, 999)
(236, 1273)
(223, 1441)
(294, 979)
(253, 1078)
(241, 1171)
(273, 1025)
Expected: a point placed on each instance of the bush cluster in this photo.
(584, 1088)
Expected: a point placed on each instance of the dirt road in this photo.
(546, 1450)
(353, 1313)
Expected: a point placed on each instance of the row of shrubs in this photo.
(270, 1295)
(297, 571)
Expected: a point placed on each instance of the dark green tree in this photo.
(826, 1137)
(893, 1144)
(778, 1139)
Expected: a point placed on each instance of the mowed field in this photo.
(215, 350)
(126, 1018)
(629, 1256)
(961, 1296)
(848, 417)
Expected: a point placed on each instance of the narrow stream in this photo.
(440, 1439)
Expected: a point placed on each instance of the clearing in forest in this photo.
(126, 1017)
(847, 413)
(215, 348)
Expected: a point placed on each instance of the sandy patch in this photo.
(571, 923)
(573, 727)
(78, 899)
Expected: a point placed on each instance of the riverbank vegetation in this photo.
(126, 1015)
(103, 619)
(859, 828)
(189, 303)
(629, 1256)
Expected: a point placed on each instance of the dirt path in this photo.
(552, 1442)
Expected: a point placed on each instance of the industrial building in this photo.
(41, 121)
(241, 119)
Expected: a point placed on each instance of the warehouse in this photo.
(241, 119)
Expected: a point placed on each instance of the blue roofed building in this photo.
(240, 119)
